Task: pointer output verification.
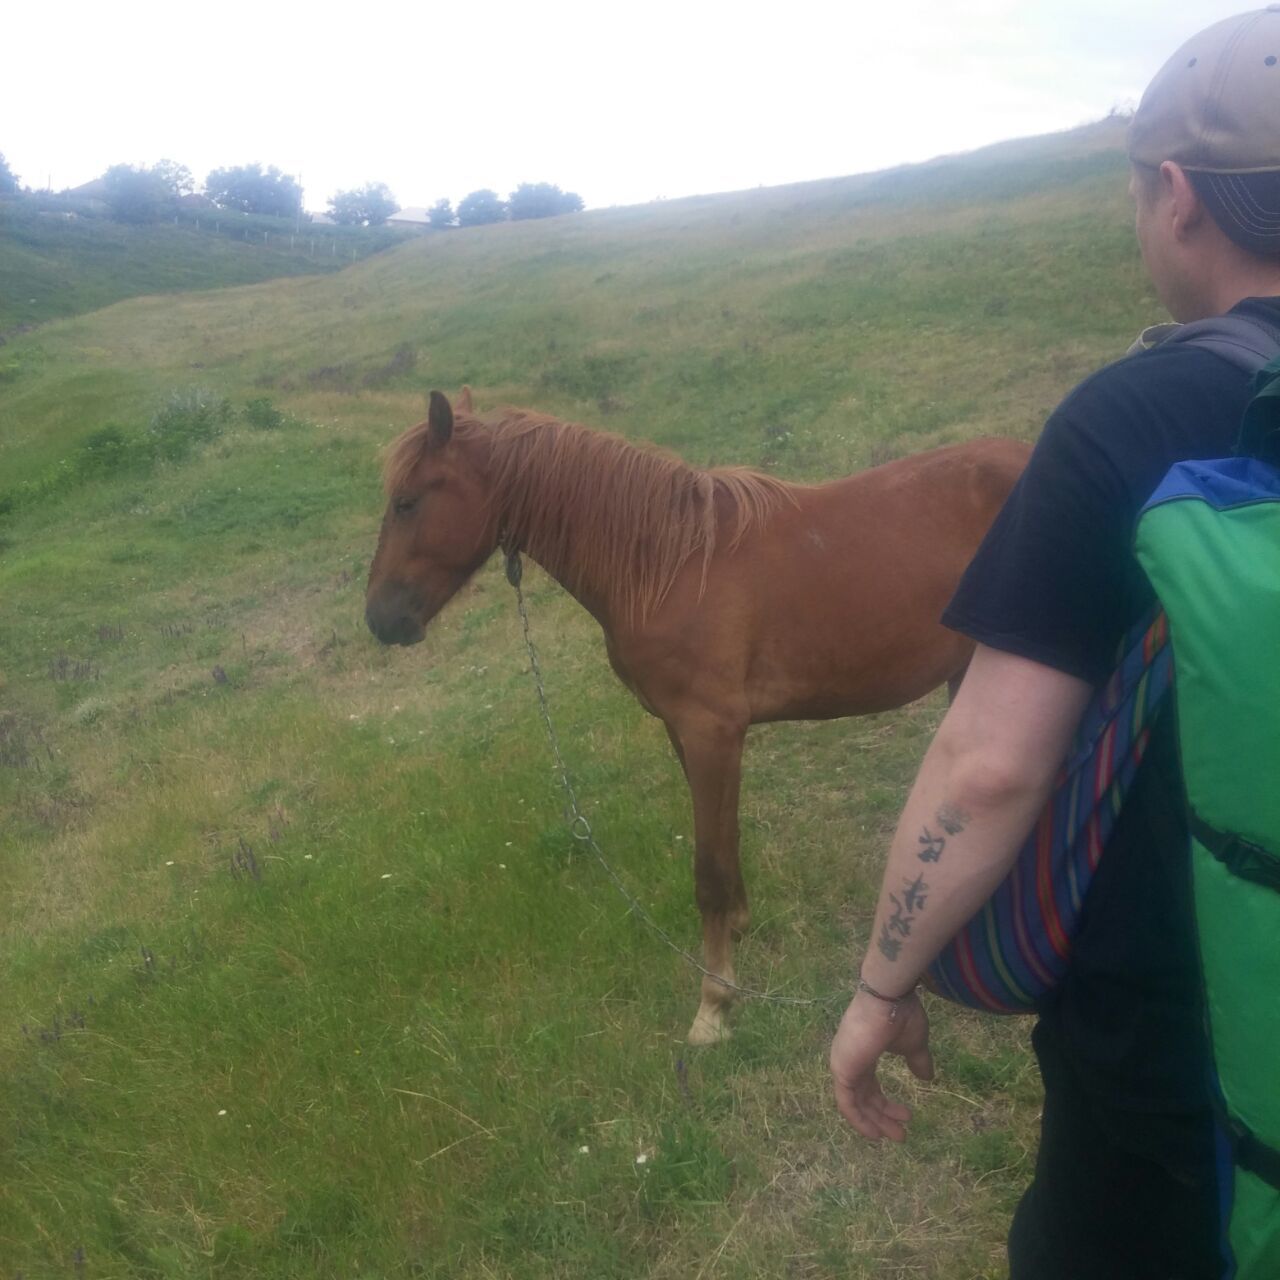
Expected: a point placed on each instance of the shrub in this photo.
(187, 418)
(262, 414)
(108, 450)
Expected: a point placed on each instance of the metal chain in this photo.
(580, 827)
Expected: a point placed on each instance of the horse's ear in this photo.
(439, 421)
(464, 399)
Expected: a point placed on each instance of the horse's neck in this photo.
(560, 557)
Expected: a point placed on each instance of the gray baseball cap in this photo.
(1214, 109)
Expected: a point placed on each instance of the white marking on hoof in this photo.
(709, 1027)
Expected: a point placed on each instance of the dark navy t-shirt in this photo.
(1056, 581)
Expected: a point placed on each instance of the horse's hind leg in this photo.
(712, 757)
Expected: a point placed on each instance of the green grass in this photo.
(304, 977)
(57, 259)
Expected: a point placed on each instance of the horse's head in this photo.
(437, 530)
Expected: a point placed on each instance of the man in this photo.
(1124, 1183)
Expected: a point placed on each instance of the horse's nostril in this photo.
(399, 628)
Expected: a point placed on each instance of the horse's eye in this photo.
(403, 506)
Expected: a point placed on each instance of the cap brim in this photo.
(1245, 205)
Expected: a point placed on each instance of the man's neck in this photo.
(1234, 279)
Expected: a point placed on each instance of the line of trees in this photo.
(141, 193)
(528, 200)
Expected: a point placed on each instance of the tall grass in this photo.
(303, 975)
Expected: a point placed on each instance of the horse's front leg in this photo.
(711, 752)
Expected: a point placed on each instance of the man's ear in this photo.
(1188, 209)
(439, 421)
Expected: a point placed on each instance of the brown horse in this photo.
(727, 598)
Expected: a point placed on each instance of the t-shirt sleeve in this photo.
(1049, 581)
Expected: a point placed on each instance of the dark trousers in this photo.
(1117, 1195)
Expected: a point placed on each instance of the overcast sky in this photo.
(619, 102)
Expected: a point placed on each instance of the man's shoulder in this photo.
(1159, 377)
(1173, 401)
(1167, 373)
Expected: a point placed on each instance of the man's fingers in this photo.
(854, 1113)
(897, 1111)
(871, 1113)
(892, 1117)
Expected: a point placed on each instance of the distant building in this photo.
(94, 193)
(321, 220)
(418, 218)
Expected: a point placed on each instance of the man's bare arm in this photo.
(983, 783)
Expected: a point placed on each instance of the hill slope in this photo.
(54, 262)
(303, 976)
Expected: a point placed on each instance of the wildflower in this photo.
(223, 1112)
(582, 1151)
(386, 875)
(169, 863)
(642, 1158)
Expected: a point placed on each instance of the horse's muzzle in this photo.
(393, 616)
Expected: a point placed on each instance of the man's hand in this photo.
(866, 1031)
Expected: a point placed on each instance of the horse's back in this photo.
(845, 590)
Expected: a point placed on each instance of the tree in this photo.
(176, 177)
(480, 207)
(8, 179)
(542, 200)
(440, 215)
(251, 190)
(367, 206)
(135, 194)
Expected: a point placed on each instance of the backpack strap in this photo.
(1247, 342)
(1248, 1150)
(1241, 857)
(1260, 431)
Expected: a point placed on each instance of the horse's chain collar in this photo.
(580, 827)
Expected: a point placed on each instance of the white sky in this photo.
(621, 103)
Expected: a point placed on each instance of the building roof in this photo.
(411, 217)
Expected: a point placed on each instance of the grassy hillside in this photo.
(54, 262)
(303, 976)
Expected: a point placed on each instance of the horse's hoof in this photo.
(708, 1029)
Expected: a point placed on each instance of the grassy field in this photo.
(303, 976)
(54, 265)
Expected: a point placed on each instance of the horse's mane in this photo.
(603, 512)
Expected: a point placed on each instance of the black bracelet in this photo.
(894, 1002)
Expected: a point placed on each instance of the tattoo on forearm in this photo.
(952, 819)
(906, 907)
(898, 925)
(931, 846)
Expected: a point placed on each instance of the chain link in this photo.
(580, 827)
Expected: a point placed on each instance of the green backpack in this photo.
(1209, 540)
